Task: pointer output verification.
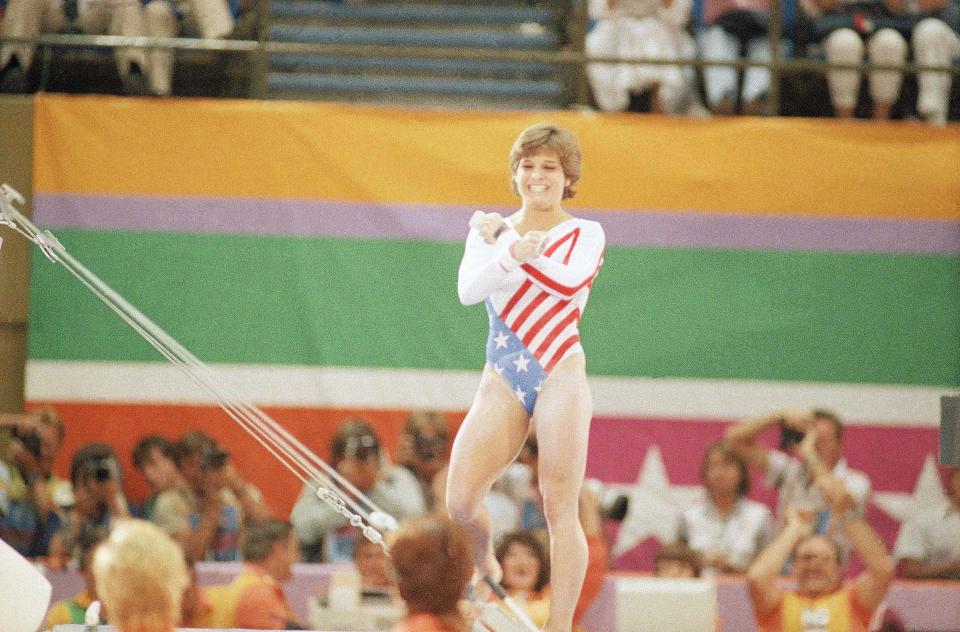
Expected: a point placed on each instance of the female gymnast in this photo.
(533, 270)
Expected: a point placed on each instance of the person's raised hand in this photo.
(488, 225)
(530, 246)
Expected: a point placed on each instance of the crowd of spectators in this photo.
(199, 502)
(839, 31)
(886, 32)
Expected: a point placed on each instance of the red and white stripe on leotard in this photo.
(544, 310)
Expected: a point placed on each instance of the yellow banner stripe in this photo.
(327, 151)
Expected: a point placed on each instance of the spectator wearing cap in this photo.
(355, 453)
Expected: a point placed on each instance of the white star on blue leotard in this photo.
(498, 369)
(502, 339)
(521, 395)
(521, 363)
(538, 386)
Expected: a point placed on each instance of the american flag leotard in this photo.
(534, 308)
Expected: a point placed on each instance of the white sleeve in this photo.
(566, 279)
(484, 266)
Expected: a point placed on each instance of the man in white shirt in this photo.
(929, 543)
(808, 471)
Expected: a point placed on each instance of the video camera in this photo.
(101, 470)
(214, 458)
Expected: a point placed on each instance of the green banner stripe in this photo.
(796, 316)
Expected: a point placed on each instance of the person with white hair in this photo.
(140, 575)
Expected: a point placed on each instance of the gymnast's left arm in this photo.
(566, 279)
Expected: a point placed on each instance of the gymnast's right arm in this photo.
(484, 266)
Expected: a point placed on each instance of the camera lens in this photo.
(102, 474)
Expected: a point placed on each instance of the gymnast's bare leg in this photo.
(562, 423)
(488, 441)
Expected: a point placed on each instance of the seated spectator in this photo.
(736, 29)
(808, 470)
(936, 42)
(140, 576)
(222, 503)
(820, 598)
(33, 500)
(433, 561)
(648, 29)
(367, 604)
(676, 560)
(929, 542)
(726, 528)
(168, 504)
(355, 453)
(255, 599)
(424, 442)
(30, 18)
(207, 19)
(73, 610)
(849, 30)
(98, 489)
(525, 562)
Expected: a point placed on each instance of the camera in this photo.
(362, 447)
(101, 470)
(214, 458)
(427, 448)
(789, 437)
(30, 440)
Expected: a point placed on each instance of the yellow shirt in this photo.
(839, 611)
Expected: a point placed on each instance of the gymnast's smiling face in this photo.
(540, 180)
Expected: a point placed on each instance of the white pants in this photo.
(934, 44)
(209, 19)
(717, 44)
(29, 18)
(644, 37)
(846, 46)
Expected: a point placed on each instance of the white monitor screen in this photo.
(652, 604)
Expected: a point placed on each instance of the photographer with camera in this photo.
(221, 503)
(808, 471)
(327, 536)
(99, 500)
(33, 500)
(424, 443)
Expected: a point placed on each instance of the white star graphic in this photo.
(521, 395)
(521, 363)
(501, 340)
(538, 386)
(654, 504)
(498, 369)
(927, 493)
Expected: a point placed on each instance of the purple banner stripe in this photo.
(449, 223)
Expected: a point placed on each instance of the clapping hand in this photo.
(488, 225)
(530, 246)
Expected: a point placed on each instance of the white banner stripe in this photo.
(378, 388)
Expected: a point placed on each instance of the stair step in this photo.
(413, 37)
(335, 63)
(551, 90)
(436, 13)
